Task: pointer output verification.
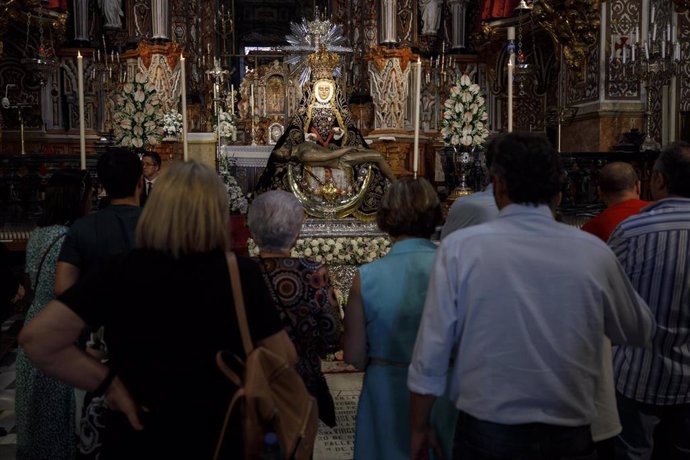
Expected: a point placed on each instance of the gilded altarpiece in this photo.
(584, 87)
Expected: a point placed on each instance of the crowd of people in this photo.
(516, 336)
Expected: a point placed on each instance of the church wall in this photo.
(609, 88)
(599, 127)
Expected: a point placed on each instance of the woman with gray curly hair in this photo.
(300, 288)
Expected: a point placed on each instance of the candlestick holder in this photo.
(254, 119)
(225, 29)
(654, 60)
(440, 74)
(217, 75)
(41, 61)
(655, 67)
(104, 67)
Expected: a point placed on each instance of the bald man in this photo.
(619, 189)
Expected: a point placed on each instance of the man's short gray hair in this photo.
(275, 219)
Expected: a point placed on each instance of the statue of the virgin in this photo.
(321, 132)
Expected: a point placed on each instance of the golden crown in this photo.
(322, 63)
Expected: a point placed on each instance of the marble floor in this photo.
(331, 444)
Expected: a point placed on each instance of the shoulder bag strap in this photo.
(45, 254)
(239, 302)
(274, 296)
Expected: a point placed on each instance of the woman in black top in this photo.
(168, 308)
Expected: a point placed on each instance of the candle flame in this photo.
(79, 54)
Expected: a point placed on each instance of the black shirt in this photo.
(166, 319)
(94, 238)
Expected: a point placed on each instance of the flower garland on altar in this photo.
(237, 201)
(136, 120)
(172, 123)
(226, 125)
(336, 251)
(464, 115)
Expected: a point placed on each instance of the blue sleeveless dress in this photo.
(393, 292)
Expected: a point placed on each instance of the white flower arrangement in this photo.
(172, 123)
(464, 115)
(226, 125)
(237, 200)
(336, 251)
(136, 120)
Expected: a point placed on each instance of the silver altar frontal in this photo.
(347, 227)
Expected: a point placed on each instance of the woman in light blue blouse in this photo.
(381, 321)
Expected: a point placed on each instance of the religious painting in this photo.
(274, 132)
(275, 95)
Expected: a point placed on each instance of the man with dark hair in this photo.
(619, 189)
(473, 209)
(95, 237)
(151, 163)
(653, 382)
(524, 304)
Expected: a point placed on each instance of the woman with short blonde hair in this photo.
(192, 202)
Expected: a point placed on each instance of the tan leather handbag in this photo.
(271, 395)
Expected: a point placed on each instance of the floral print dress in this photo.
(44, 406)
(309, 311)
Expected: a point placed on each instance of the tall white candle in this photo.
(632, 50)
(511, 56)
(183, 95)
(417, 103)
(251, 99)
(82, 130)
(232, 99)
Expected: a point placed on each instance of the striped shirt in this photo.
(654, 248)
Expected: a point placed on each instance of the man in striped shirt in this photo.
(653, 382)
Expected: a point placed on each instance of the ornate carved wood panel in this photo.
(579, 91)
(623, 17)
(684, 70)
(407, 21)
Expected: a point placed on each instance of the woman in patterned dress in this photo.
(44, 406)
(300, 289)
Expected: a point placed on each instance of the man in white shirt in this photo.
(523, 303)
(473, 209)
